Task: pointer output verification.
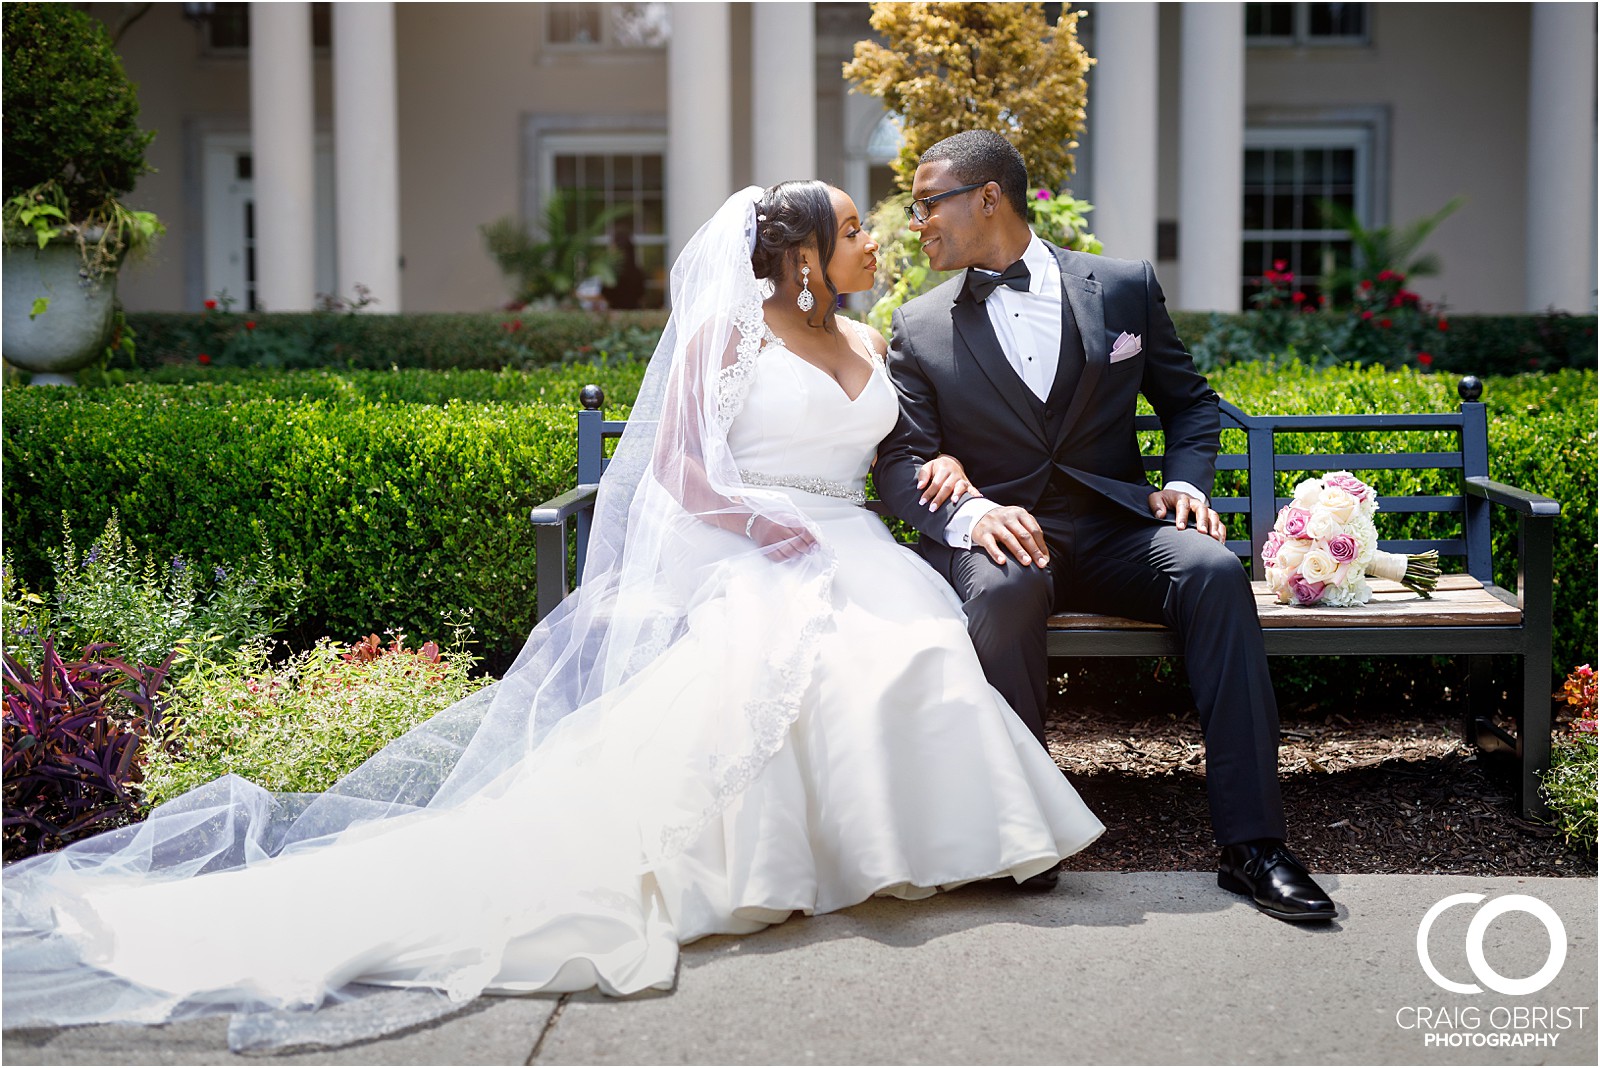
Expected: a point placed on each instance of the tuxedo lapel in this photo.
(1086, 300)
(976, 332)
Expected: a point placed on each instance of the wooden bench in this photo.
(1262, 457)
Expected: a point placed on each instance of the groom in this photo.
(1026, 368)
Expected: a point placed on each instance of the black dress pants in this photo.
(1106, 559)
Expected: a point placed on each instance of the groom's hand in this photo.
(1184, 508)
(1014, 530)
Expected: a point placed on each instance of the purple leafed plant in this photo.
(71, 740)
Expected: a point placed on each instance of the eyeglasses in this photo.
(917, 210)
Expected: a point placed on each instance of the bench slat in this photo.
(1365, 461)
(1460, 601)
(1407, 504)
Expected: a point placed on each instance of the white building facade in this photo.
(305, 149)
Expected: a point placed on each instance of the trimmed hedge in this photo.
(403, 497)
(399, 502)
(1472, 344)
(290, 340)
(1469, 344)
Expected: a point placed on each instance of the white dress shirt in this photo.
(1028, 327)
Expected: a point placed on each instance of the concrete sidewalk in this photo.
(1110, 969)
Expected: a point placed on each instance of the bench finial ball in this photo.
(592, 397)
(1470, 388)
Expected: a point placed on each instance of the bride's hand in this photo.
(942, 478)
(781, 540)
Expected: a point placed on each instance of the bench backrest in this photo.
(1420, 491)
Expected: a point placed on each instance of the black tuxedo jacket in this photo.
(960, 395)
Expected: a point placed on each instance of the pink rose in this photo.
(1294, 522)
(1343, 548)
(1269, 551)
(1303, 592)
(1350, 484)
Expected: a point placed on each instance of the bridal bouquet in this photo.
(1324, 545)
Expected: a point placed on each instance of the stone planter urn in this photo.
(68, 335)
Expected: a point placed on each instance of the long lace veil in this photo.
(673, 524)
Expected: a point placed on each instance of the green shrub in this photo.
(1467, 344)
(71, 115)
(1570, 785)
(294, 340)
(146, 608)
(556, 386)
(1475, 344)
(397, 501)
(300, 726)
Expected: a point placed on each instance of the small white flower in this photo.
(1366, 536)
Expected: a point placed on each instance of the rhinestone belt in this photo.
(810, 485)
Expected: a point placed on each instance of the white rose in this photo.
(1324, 524)
(1319, 565)
(1307, 493)
(1291, 552)
(1339, 503)
(1278, 583)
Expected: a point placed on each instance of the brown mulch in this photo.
(1386, 794)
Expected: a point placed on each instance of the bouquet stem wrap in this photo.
(1419, 572)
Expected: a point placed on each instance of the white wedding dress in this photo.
(902, 773)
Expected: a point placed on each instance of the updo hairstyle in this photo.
(788, 216)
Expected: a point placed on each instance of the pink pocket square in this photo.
(1127, 346)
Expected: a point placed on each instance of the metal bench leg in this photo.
(1536, 591)
(1480, 702)
(1534, 735)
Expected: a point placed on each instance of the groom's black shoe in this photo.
(1275, 880)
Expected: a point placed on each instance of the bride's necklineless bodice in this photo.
(871, 360)
(798, 420)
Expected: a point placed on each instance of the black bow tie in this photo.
(980, 283)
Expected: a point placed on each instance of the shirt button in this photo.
(1049, 413)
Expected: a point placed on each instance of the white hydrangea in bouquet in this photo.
(1324, 546)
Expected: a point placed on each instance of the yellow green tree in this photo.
(944, 68)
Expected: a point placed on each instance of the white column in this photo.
(699, 119)
(1125, 126)
(283, 155)
(366, 152)
(1210, 157)
(784, 77)
(1561, 155)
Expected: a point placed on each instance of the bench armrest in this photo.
(559, 509)
(550, 545)
(1529, 504)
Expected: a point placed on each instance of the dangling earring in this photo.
(805, 300)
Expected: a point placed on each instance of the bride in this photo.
(757, 704)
